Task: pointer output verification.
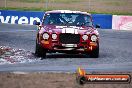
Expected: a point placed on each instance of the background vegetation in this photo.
(92, 6)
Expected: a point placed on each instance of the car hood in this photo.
(66, 29)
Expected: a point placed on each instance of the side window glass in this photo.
(46, 19)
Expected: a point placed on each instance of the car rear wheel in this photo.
(40, 51)
(95, 53)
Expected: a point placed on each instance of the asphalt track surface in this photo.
(115, 52)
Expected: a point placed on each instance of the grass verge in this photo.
(44, 9)
(55, 1)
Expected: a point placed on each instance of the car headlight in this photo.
(93, 38)
(54, 36)
(85, 37)
(45, 36)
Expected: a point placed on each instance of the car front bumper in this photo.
(81, 47)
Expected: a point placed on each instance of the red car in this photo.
(68, 32)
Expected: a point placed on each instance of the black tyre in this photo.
(40, 51)
(95, 53)
(81, 80)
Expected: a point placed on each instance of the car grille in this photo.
(66, 38)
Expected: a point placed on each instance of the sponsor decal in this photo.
(20, 17)
(83, 77)
(19, 20)
(72, 29)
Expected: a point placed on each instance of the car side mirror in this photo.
(37, 23)
(97, 26)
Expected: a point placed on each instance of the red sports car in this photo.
(68, 32)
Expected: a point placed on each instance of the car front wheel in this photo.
(95, 53)
(40, 51)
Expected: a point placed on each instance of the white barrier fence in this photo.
(122, 22)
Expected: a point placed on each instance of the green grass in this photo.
(116, 3)
(25, 9)
(112, 6)
(43, 9)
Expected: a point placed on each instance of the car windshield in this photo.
(67, 19)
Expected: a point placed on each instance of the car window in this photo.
(67, 19)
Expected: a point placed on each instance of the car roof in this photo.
(67, 11)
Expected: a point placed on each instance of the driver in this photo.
(79, 20)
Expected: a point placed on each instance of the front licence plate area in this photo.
(69, 45)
